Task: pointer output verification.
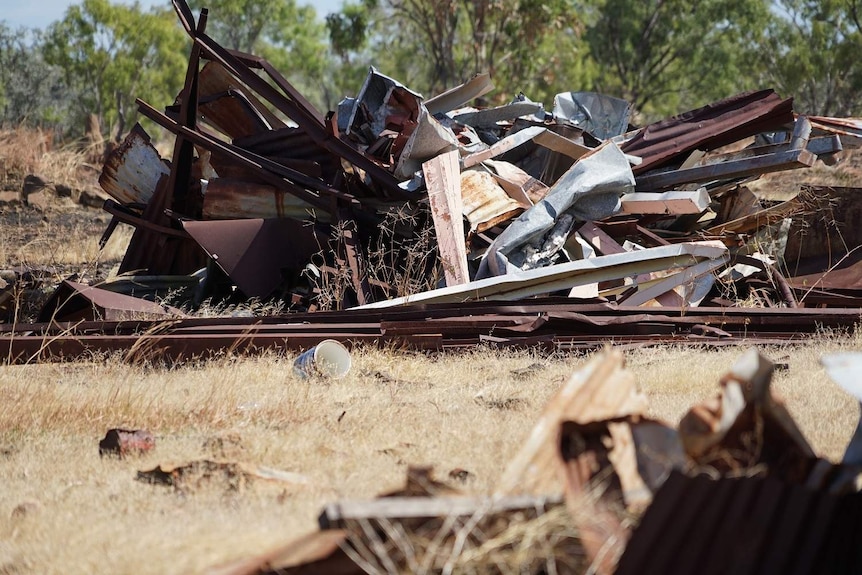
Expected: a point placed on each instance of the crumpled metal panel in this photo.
(708, 128)
(73, 301)
(133, 169)
(602, 116)
(590, 190)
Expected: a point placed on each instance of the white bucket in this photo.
(329, 358)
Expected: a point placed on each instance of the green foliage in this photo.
(111, 53)
(30, 91)
(663, 55)
(290, 36)
(812, 52)
(531, 46)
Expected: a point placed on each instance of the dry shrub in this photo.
(26, 151)
(402, 256)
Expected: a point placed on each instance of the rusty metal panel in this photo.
(826, 231)
(226, 199)
(849, 127)
(257, 254)
(73, 301)
(133, 169)
(709, 127)
(486, 204)
(229, 106)
(746, 525)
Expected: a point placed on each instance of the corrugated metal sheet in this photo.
(226, 199)
(486, 204)
(742, 526)
(133, 169)
(709, 127)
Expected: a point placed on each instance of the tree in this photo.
(110, 54)
(662, 55)
(811, 52)
(29, 87)
(430, 45)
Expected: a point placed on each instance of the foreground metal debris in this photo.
(721, 492)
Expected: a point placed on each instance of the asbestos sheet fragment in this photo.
(486, 204)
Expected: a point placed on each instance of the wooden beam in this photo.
(338, 515)
(757, 220)
(668, 203)
(669, 283)
(477, 86)
(443, 180)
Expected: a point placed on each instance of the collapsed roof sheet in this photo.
(709, 127)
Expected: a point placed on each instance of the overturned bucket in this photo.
(329, 358)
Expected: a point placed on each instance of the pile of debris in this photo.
(599, 487)
(394, 199)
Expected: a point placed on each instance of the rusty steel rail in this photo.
(551, 323)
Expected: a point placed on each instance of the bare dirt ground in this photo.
(65, 509)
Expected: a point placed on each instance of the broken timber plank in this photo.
(670, 203)
(337, 515)
(665, 285)
(759, 219)
(561, 144)
(537, 134)
(776, 162)
(443, 180)
(605, 245)
(600, 390)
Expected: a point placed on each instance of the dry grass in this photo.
(63, 509)
(784, 185)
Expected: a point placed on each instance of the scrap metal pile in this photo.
(568, 214)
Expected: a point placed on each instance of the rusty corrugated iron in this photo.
(552, 323)
(708, 128)
(227, 199)
(486, 204)
(133, 169)
(747, 525)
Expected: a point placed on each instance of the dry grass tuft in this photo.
(26, 151)
(512, 543)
